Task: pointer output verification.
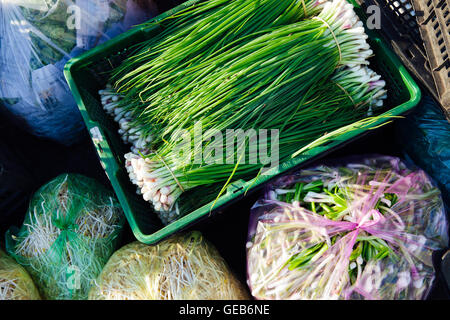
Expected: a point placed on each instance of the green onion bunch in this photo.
(158, 175)
(302, 78)
(203, 30)
(200, 31)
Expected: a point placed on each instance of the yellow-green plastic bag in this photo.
(15, 282)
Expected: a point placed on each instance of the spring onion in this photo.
(302, 74)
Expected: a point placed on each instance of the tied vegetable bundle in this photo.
(15, 282)
(296, 68)
(365, 229)
(72, 228)
(183, 267)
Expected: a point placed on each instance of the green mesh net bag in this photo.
(183, 267)
(15, 282)
(71, 229)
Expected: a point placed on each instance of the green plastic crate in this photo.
(86, 75)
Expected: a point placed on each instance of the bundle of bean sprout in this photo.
(183, 267)
(359, 229)
(72, 228)
(303, 71)
(15, 282)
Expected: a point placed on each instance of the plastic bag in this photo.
(424, 137)
(71, 229)
(15, 282)
(37, 38)
(361, 230)
(183, 267)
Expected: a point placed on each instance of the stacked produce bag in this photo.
(15, 282)
(72, 227)
(37, 37)
(298, 69)
(359, 229)
(183, 267)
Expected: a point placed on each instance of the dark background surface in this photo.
(27, 162)
(36, 161)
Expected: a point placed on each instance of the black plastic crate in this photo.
(401, 26)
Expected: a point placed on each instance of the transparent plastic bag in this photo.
(72, 227)
(37, 38)
(183, 267)
(361, 229)
(15, 282)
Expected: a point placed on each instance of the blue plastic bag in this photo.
(424, 137)
(37, 38)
